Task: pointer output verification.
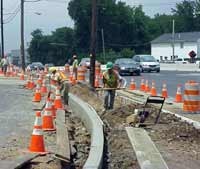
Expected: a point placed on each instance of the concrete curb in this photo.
(94, 126)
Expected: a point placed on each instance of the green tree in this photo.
(127, 53)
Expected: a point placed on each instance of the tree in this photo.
(184, 16)
(55, 48)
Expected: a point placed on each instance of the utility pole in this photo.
(173, 40)
(2, 31)
(103, 45)
(22, 36)
(93, 43)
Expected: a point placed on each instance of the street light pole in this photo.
(2, 31)
(22, 36)
(93, 43)
(103, 44)
(173, 40)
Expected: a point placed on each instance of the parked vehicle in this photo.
(49, 65)
(181, 61)
(127, 66)
(35, 66)
(147, 63)
(85, 62)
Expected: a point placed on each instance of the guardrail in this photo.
(94, 126)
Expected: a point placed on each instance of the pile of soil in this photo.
(177, 141)
(79, 141)
(118, 150)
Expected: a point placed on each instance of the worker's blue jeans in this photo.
(109, 99)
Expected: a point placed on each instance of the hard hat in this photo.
(109, 65)
(52, 69)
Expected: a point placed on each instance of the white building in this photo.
(161, 47)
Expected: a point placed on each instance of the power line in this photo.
(14, 14)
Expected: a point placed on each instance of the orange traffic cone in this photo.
(37, 96)
(22, 75)
(74, 79)
(178, 95)
(1, 72)
(27, 85)
(32, 84)
(164, 91)
(53, 105)
(47, 120)
(153, 89)
(147, 89)
(58, 101)
(39, 81)
(44, 88)
(37, 140)
(96, 81)
(132, 85)
(142, 85)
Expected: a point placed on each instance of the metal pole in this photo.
(173, 40)
(103, 45)
(93, 43)
(2, 31)
(22, 36)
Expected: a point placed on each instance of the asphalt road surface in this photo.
(172, 79)
(16, 115)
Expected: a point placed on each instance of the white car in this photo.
(147, 63)
(180, 61)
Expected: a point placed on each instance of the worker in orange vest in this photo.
(61, 80)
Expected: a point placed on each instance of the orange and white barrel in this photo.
(67, 68)
(97, 69)
(81, 74)
(191, 101)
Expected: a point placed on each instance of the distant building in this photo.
(161, 47)
(15, 57)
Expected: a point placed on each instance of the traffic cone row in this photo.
(153, 92)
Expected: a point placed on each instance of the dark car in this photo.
(127, 66)
(35, 66)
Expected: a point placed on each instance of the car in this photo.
(49, 65)
(127, 66)
(85, 62)
(147, 63)
(180, 61)
(35, 66)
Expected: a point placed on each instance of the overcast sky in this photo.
(54, 14)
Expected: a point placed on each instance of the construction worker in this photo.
(5, 64)
(75, 66)
(60, 80)
(111, 82)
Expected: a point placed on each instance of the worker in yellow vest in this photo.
(75, 66)
(111, 82)
(61, 80)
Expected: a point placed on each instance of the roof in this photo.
(179, 37)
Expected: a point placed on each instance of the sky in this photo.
(54, 14)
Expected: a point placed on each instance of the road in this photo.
(16, 117)
(172, 79)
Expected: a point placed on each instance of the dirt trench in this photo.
(177, 141)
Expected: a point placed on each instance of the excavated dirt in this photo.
(178, 142)
(119, 153)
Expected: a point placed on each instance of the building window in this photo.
(181, 45)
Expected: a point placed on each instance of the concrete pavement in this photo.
(16, 117)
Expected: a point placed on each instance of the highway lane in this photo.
(172, 79)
